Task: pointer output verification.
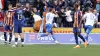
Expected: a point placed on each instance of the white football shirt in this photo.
(90, 19)
(49, 18)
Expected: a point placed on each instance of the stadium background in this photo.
(49, 50)
(63, 28)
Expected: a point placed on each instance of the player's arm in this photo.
(5, 17)
(96, 20)
(12, 22)
(74, 19)
(81, 19)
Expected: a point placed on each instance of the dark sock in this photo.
(86, 37)
(16, 39)
(22, 39)
(76, 38)
(10, 38)
(5, 36)
(81, 37)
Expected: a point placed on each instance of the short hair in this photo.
(91, 9)
(76, 5)
(68, 8)
(18, 5)
(50, 9)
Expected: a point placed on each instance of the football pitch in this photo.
(49, 50)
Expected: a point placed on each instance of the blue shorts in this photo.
(17, 28)
(88, 28)
(49, 28)
(76, 30)
(8, 28)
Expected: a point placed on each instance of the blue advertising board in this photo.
(31, 38)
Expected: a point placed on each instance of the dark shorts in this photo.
(49, 28)
(8, 28)
(17, 28)
(76, 30)
(88, 28)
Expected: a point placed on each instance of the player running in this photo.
(90, 19)
(8, 23)
(18, 22)
(49, 24)
(76, 28)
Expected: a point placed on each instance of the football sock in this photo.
(10, 38)
(81, 37)
(16, 41)
(22, 40)
(76, 38)
(53, 37)
(86, 37)
(5, 36)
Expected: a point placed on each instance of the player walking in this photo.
(90, 19)
(76, 28)
(8, 23)
(49, 24)
(18, 23)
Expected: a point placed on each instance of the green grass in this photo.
(50, 50)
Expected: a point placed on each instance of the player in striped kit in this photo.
(8, 23)
(77, 26)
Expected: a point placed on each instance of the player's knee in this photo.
(16, 35)
(21, 35)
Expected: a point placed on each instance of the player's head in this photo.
(90, 10)
(51, 10)
(62, 9)
(34, 9)
(27, 5)
(10, 6)
(18, 5)
(77, 6)
(67, 9)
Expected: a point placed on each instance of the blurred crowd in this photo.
(64, 9)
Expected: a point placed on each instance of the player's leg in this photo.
(16, 39)
(54, 38)
(22, 39)
(79, 34)
(88, 30)
(16, 36)
(5, 34)
(85, 42)
(5, 37)
(21, 36)
(76, 37)
(10, 34)
(48, 30)
(10, 37)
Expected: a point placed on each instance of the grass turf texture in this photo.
(49, 50)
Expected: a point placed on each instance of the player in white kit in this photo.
(49, 24)
(90, 19)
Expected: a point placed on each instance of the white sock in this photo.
(5, 41)
(16, 43)
(22, 43)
